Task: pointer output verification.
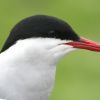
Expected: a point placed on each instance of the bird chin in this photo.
(60, 51)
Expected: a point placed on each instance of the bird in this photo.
(30, 54)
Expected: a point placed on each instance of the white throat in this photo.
(29, 68)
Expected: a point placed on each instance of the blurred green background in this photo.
(78, 74)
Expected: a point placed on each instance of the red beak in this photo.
(85, 44)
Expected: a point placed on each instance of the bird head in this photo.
(47, 35)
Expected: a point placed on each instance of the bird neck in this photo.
(23, 53)
(33, 72)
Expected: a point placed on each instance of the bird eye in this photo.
(51, 32)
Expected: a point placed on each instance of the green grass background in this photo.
(78, 74)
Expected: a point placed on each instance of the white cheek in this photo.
(61, 50)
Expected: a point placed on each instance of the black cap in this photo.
(40, 26)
